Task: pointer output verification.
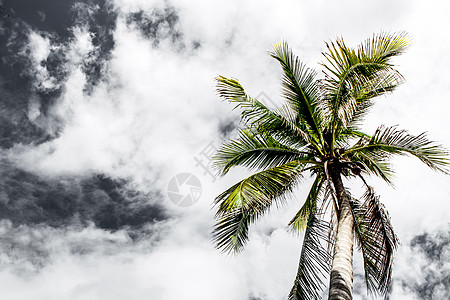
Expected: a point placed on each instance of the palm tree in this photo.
(317, 132)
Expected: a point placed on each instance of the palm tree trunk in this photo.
(341, 277)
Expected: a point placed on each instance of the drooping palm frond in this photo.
(300, 89)
(230, 233)
(355, 76)
(255, 151)
(244, 202)
(300, 220)
(257, 116)
(389, 140)
(376, 239)
(315, 262)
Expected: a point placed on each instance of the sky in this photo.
(108, 118)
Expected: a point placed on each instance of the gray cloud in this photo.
(29, 199)
(434, 252)
(27, 250)
(157, 24)
(35, 64)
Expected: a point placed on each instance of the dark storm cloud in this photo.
(40, 218)
(57, 16)
(13, 37)
(432, 245)
(159, 24)
(43, 15)
(60, 17)
(17, 73)
(435, 248)
(16, 70)
(17, 87)
(29, 199)
(15, 125)
(101, 22)
(228, 127)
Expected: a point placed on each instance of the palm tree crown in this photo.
(318, 132)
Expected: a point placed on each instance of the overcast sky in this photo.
(103, 104)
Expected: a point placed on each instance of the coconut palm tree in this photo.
(317, 132)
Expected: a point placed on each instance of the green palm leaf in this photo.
(230, 234)
(249, 199)
(300, 89)
(388, 141)
(355, 76)
(363, 89)
(257, 116)
(255, 151)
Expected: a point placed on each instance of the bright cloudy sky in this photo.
(103, 103)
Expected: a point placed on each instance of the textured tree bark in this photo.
(341, 277)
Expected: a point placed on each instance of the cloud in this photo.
(60, 263)
(28, 199)
(39, 47)
(421, 270)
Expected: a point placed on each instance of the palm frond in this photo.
(354, 121)
(255, 151)
(356, 133)
(230, 234)
(291, 121)
(389, 140)
(300, 220)
(257, 116)
(355, 76)
(382, 47)
(375, 53)
(244, 202)
(376, 239)
(300, 88)
(359, 89)
(355, 108)
(315, 262)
